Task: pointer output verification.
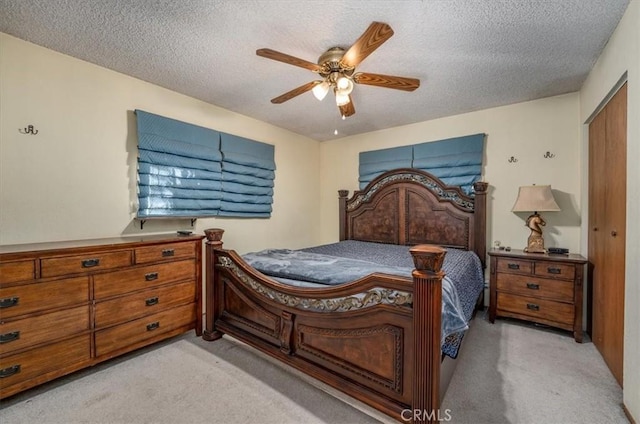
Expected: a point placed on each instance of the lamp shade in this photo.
(320, 90)
(535, 198)
(342, 99)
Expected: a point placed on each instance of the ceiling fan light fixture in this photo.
(336, 69)
(344, 85)
(320, 90)
(342, 99)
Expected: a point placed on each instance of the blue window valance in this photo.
(185, 170)
(456, 161)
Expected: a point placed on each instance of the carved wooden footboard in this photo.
(376, 339)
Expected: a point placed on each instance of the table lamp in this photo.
(535, 198)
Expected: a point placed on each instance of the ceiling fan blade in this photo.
(272, 54)
(295, 92)
(348, 109)
(373, 37)
(387, 81)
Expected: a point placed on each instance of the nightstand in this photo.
(541, 288)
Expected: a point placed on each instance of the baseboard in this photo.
(628, 414)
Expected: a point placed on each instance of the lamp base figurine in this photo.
(535, 242)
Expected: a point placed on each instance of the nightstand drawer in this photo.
(555, 270)
(561, 313)
(536, 287)
(511, 265)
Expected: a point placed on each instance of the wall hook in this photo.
(28, 130)
(549, 155)
(512, 159)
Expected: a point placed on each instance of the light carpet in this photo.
(515, 373)
(507, 373)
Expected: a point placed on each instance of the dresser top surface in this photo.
(111, 241)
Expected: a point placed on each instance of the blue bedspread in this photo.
(317, 268)
(349, 260)
(462, 267)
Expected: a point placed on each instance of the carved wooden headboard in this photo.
(409, 207)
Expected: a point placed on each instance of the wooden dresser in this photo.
(68, 305)
(545, 289)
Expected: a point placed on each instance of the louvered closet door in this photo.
(607, 227)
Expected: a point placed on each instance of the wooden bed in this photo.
(384, 351)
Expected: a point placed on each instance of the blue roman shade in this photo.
(248, 170)
(376, 162)
(456, 161)
(179, 168)
(183, 171)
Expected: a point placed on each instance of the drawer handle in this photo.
(151, 301)
(168, 252)
(9, 337)
(151, 276)
(9, 371)
(533, 286)
(8, 302)
(153, 326)
(514, 266)
(90, 263)
(554, 270)
(533, 306)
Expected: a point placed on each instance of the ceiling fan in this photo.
(337, 67)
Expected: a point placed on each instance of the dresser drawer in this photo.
(555, 270)
(28, 332)
(165, 252)
(144, 303)
(531, 307)
(52, 267)
(536, 287)
(36, 297)
(21, 367)
(124, 335)
(121, 282)
(511, 265)
(11, 272)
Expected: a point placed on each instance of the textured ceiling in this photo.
(468, 54)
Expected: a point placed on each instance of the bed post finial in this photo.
(342, 213)
(214, 234)
(427, 317)
(214, 241)
(480, 219)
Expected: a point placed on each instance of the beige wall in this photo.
(525, 131)
(622, 54)
(76, 179)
